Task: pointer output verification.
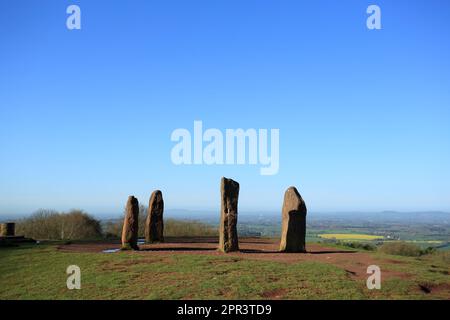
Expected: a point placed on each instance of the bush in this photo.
(401, 249)
(443, 256)
(172, 228)
(354, 244)
(113, 230)
(180, 228)
(360, 245)
(52, 225)
(429, 250)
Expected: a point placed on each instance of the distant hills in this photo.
(212, 216)
(384, 216)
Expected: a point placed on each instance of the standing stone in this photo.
(228, 238)
(293, 228)
(131, 225)
(154, 225)
(8, 229)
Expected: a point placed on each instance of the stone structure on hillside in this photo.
(154, 225)
(131, 225)
(8, 229)
(8, 235)
(228, 237)
(293, 229)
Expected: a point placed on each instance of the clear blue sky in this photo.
(86, 115)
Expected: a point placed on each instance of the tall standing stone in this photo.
(228, 238)
(293, 230)
(131, 224)
(154, 225)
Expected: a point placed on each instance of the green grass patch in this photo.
(39, 272)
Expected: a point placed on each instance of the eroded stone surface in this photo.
(228, 238)
(131, 224)
(154, 225)
(293, 225)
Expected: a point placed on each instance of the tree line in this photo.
(76, 224)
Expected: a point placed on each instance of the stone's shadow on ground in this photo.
(177, 249)
(258, 251)
(353, 263)
(252, 246)
(249, 251)
(331, 252)
(307, 252)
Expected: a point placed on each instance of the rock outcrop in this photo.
(228, 238)
(154, 225)
(131, 225)
(293, 230)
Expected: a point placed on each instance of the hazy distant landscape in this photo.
(423, 228)
(408, 226)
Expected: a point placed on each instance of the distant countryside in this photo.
(414, 259)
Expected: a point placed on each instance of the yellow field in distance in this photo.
(349, 236)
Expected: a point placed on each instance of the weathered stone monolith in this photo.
(154, 225)
(131, 225)
(8, 229)
(293, 229)
(228, 238)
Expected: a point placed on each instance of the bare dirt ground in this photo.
(353, 262)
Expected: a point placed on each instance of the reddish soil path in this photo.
(355, 263)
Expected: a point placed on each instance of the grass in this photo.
(429, 272)
(400, 248)
(349, 236)
(425, 241)
(38, 272)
